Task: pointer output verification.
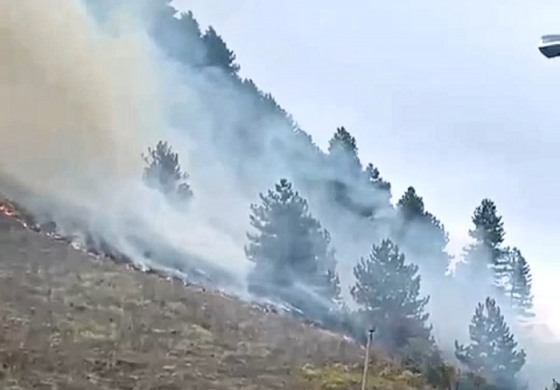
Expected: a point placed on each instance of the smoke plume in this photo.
(79, 103)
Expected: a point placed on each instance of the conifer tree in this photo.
(346, 171)
(218, 54)
(421, 235)
(343, 150)
(378, 198)
(163, 172)
(503, 273)
(485, 257)
(492, 352)
(411, 205)
(520, 285)
(488, 229)
(342, 139)
(387, 290)
(374, 178)
(179, 37)
(289, 247)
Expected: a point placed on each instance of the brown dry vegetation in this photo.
(71, 321)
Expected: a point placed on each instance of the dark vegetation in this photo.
(163, 172)
(295, 260)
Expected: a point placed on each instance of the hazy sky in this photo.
(450, 97)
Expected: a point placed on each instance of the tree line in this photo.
(295, 260)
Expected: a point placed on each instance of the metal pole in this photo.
(366, 360)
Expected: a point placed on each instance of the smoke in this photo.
(73, 100)
(79, 103)
(84, 90)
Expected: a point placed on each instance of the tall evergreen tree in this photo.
(489, 227)
(346, 171)
(189, 24)
(492, 352)
(366, 195)
(378, 199)
(218, 54)
(342, 139)
(179, 37)
(375, 180)
(344, 149)
(290, 248)
(485, 257)
(421, 235)
(387, 289)
(411, 205)
(163, 172)
(520, 284)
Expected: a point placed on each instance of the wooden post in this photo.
(366, 360)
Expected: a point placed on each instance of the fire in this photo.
(13, 211)
(7, 209)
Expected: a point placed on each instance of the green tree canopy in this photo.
(290, 248)
(387, 290)
(421, 235)
(218, 54)
(163, 172)
(520, 284)
(485, 257)
(492, 352)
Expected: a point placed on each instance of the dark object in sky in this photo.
(550, 46)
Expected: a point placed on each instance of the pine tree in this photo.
(485, 258)
(375, 180)
(411, 205)
(388, 292)
(218, 54)
(163, 172)
(378, 198)
(343, 149)
(343, 140)
(290, 248)
(488, 229)
(492, 352)
(520, 284)
(179, 37)
(346, 171)
(421, 235)
(190, 25)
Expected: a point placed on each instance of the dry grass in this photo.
(380, 376)
(70, 321)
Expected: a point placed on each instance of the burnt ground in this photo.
(69, 320)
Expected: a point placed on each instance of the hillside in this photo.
(233, 195)
(73, 321)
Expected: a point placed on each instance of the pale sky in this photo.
(450, 97)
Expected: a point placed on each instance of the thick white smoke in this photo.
(73, 100)
(78, 106)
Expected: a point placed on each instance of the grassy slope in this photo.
(70, 321)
